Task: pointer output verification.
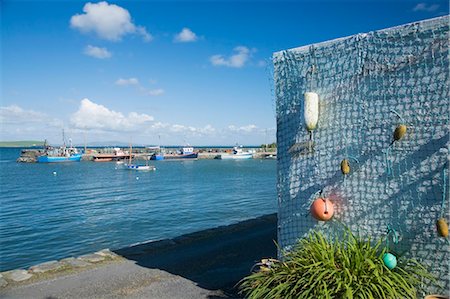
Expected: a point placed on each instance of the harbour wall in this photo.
(215, 258)
(368, 85)
(30, 155)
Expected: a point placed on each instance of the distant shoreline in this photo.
(25, 143)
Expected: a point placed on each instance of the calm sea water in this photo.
(89, 206)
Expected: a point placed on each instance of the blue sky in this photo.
(189, 72)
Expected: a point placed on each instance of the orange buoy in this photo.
(442, 227)
(322, 209)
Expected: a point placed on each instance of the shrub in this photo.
(336, 267)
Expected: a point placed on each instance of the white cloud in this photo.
(21, 124)
(190, 131)
(125, 82)
(425, 7)
(244, 129)
(108, 21)
(155, 92)
(147, 37)
(94, 116)
(158, 125)
(262, 63)
(14, 114)
(97, 52)
(178, 128)
(237, 60)
(142, 89)
(208, 129)
(186, 35)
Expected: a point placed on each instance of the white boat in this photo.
(237, 154)
(141, 167)
(145, 167)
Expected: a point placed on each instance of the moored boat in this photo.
(52, 158)
(116, 155)
(97, 159)
(237, 154)
(186, 152)
(141, 167)
(157, 157)
(131, 166)
(61, 154)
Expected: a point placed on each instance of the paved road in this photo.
(206, 264)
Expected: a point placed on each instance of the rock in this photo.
(76, 263)
(92, 258)
(45, 267)
(107, 253)
(29, 156)
(3, 283)
(17, 275)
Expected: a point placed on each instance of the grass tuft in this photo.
(336, 267)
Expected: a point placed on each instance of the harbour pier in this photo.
(143, 153)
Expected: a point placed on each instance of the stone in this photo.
(107, 253)
(45, 267)
(3, 283)
(17, 275)
(76, 263)
(92, 258)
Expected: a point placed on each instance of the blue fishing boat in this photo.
(158, 154)
(157, 157)
(52, 159)
(61, 154)
(186, 152)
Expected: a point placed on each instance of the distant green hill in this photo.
(21, 143)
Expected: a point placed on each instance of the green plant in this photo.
(344, 266)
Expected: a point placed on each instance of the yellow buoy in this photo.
(399, 132)
(442, 227)
(345, 166)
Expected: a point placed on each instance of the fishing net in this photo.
(368, 84)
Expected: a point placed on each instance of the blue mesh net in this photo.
(368, 84)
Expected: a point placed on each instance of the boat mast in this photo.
(130, 153)
(84, 142)
(64, 138)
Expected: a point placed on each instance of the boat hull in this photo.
(157, 157)
(109, 156)
(96, 159)
(181, 157)
(141, 167)
(235, 156)
(53, 159)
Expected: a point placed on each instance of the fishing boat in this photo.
(115, 155)
(237, 154)
(131, 166)
(61, 154)
(158, 154)
(186, 152)
(157, 157)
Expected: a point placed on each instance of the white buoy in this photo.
(54, 172)
(311, 110)
(137, 178)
